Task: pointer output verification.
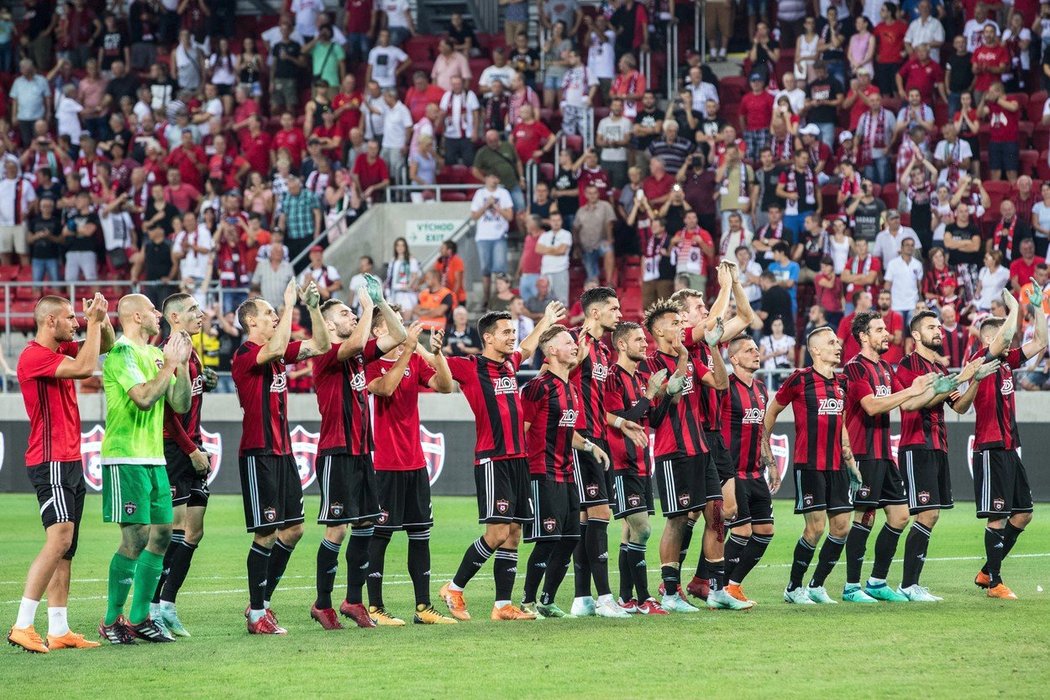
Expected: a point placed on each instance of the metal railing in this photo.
(671, 69)
(393, 190)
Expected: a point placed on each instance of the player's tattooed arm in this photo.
(320, 343)
(1005, 337)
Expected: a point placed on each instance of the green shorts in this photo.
(136, 494)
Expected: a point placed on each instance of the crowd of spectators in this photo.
(866, 155)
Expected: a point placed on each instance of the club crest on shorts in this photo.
(212, 444)
(304, 449)
(549, 524)
(336, 509)
(683, 499)
(924, 497)
(998, 504)
(91, 456)
(807, 500)
(864, 491)
(634, 500)
(592, 490)
(502, 505)
(130, 507)
(269, 514)
(778, 445)
(433, 451)
(382, 517)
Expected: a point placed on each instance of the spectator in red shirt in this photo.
(226, 166)
(189, 159)
(347, 104)
(370, 172)
(331, 136)
(990, 61)
(1003, 115)
(289, 139)
(1022, 270)
(422, 93)
(890, 33)
(922, 74)
(657, 186)
(256, 144)
(590, 173)
(246, 107)
(362, 19)
(756, 114)
(857, 98)
(182, 195)
(531, 137)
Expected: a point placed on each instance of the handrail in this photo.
(645, 65)
(437, 188)
(672, 58)
(700, 28)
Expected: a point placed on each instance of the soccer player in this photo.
(501, 470)
(395, 381)
(817, 397)
(188, 465)
(270, 486)
(1000, 482)
(685, 475)
(47, 372)
(701, 323)
(924, 445)
(554, 419)
(601, 310)
(743, 408)
(345, 473)
(630, 397)
(873, 391)
(139, 378)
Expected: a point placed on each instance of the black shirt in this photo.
(777, 303)
(763, 61)
(170, 212)
(647, 119)
(44, 249)
(468, 338)
(84, 243)
(624, 22)
(285, 54)
(826, 89)
(157, 259)
(866, 219)
(124, 86)
(566, 180)
(767, 186)
(460, 36)
(521, 59)
(960, 72)
(674, 219)
(112, 45)
(970, 231)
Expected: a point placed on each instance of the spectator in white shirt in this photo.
(500, 71)
(903, 276)
(398, 19)
(192, 249)
(385, 62)
(555, 246)
(702, 92)
(925, 29)
(397, 132)
(493, 210)
(462, 120)
(796, 95)
(578, 86)
(888, 242)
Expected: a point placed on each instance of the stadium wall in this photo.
(448, 441)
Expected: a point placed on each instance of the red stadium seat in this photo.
(573, 143)
(1036, 102)
(1021, 98)
(1042, 166)
(1026, 129)
(1029, 162)
(889, 195)
(547, 172)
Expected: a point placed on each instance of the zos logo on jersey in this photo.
(830, 407)
(753, 416)
(279, 383)
(505, 385)
(568, 418)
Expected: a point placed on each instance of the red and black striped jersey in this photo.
(624, 391)
(743, 413)
(185, 428)
(869, 436)
(491, 389)
(710, 398)
(996, 423)
(680, 434)
(263, 393)
(590, 377)
(923, 429)
(51, 403)
(343, 400)
(554, 411)
(818, 403)
(958, 345)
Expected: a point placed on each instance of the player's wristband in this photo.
(588, 446)
(618, 422)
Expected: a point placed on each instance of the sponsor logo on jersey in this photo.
(197, 388)
(1007, 386)
(304, 449)
(568, 418)
(830, 407)
(505, 385)
(279, 383)
(753, 415)
(599, 373)
(882, 391)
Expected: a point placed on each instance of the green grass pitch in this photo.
(964, 647)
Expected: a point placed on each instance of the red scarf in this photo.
(782, 147)
(1008, 234)
(874, 136)
(858, 267)
(797, 181)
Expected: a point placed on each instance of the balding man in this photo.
(47, 372)
(139, 380)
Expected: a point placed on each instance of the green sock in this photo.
(121, 575)
(146, 576)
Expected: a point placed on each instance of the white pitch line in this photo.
(449, 576)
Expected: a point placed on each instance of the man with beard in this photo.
(924, 445)
(894, 325)
(874, 391)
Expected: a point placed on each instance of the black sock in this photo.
(756, 547)
(687, 538)
(258, 564)
(717, 569)
(734, 547)
(597, 545)
(671, 577)
(856, 544)
(639, 576)
(376, 563)
(885, 548)
(1010, 535)
(473, 559)
(993, 550)
(581, 565)
(357, 562)
(279, 556)
(177, 536)
(915, 546)
(557, 568)
(177, 569)
(830, 552)
(626, 575)
(800, 562)
(327, 566)
(537, 567)
(419, 566)
(702, 572)
(504, 572)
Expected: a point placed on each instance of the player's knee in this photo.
(601, 512)
(898, 521)
(813, 532)
(1020, 520)
(928, 518)
(194, 533)
(291, 534)
(265, 537)
(762, 530)
(133, 539)
(497, 534)
(742, 530)
(60, 537)
(159, 538)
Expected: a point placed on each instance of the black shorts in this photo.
(881, 484)
(927, 480)
(827, 491)
(686, 484)
(1003, 155)
(348, 489)
(404, 500)
(556, 508)
(723, 461)
(271, 490)
(632, 494)
(1000, 484)
(504, 491)
(60, 492)
(754, 503)
(592, 483)
(188, 488)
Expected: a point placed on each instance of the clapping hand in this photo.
(310, 295)
(987, 369)
(1035, 297)
(713, 336)
(95, 308)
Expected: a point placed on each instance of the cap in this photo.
(810, 129)
(949, 281)
(845, 136)
(893, 214)
(758, 77)
(316, 249)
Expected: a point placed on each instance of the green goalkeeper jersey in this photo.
(133, 436)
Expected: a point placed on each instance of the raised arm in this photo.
(551, 315)
(442, 381)
(386, 384)
(1005, 337)
(278, 343)
(1037, 345)
(320, 343)
(84, 364)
